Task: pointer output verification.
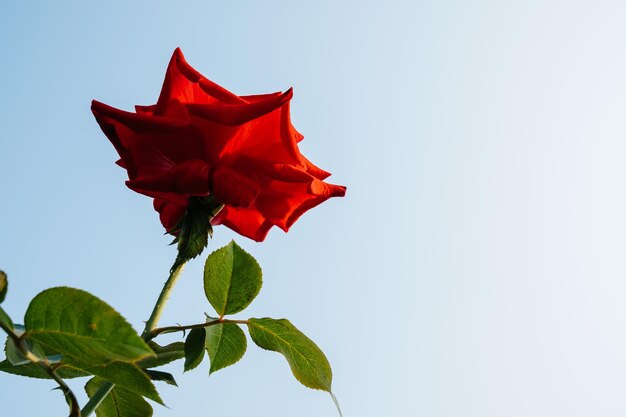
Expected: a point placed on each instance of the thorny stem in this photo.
(104, 390)
(172, 329)
(160, 303)
(43, 363)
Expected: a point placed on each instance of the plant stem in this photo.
(172, 329)
(104, 390)
(160, 303)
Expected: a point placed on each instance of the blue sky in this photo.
(475, 266)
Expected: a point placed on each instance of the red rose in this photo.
(201, 140)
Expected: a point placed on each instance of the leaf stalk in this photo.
(173, 329)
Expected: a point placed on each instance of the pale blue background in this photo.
(476, 266)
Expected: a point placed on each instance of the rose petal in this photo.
(282, 203)
(259, 97)
(189, 178)
(169, 213)
(234, 188)
(247, 222)
(186, 85)
(237, 114)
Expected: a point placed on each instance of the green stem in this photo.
(160, 303)
(104, 390)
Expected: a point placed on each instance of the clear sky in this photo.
(476, 265)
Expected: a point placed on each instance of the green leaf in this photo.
(225, 344)
(119, 403)
(164, 354)
(17, 364)
(232, 278)
(308, 363)
(4, 285)
(193, 231)
(125, 375)
(35, 371)
(12, 353)
(194, 348)
(161, 376)
(5, 319)
(77, 324)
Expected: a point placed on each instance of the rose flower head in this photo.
(202, 146)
